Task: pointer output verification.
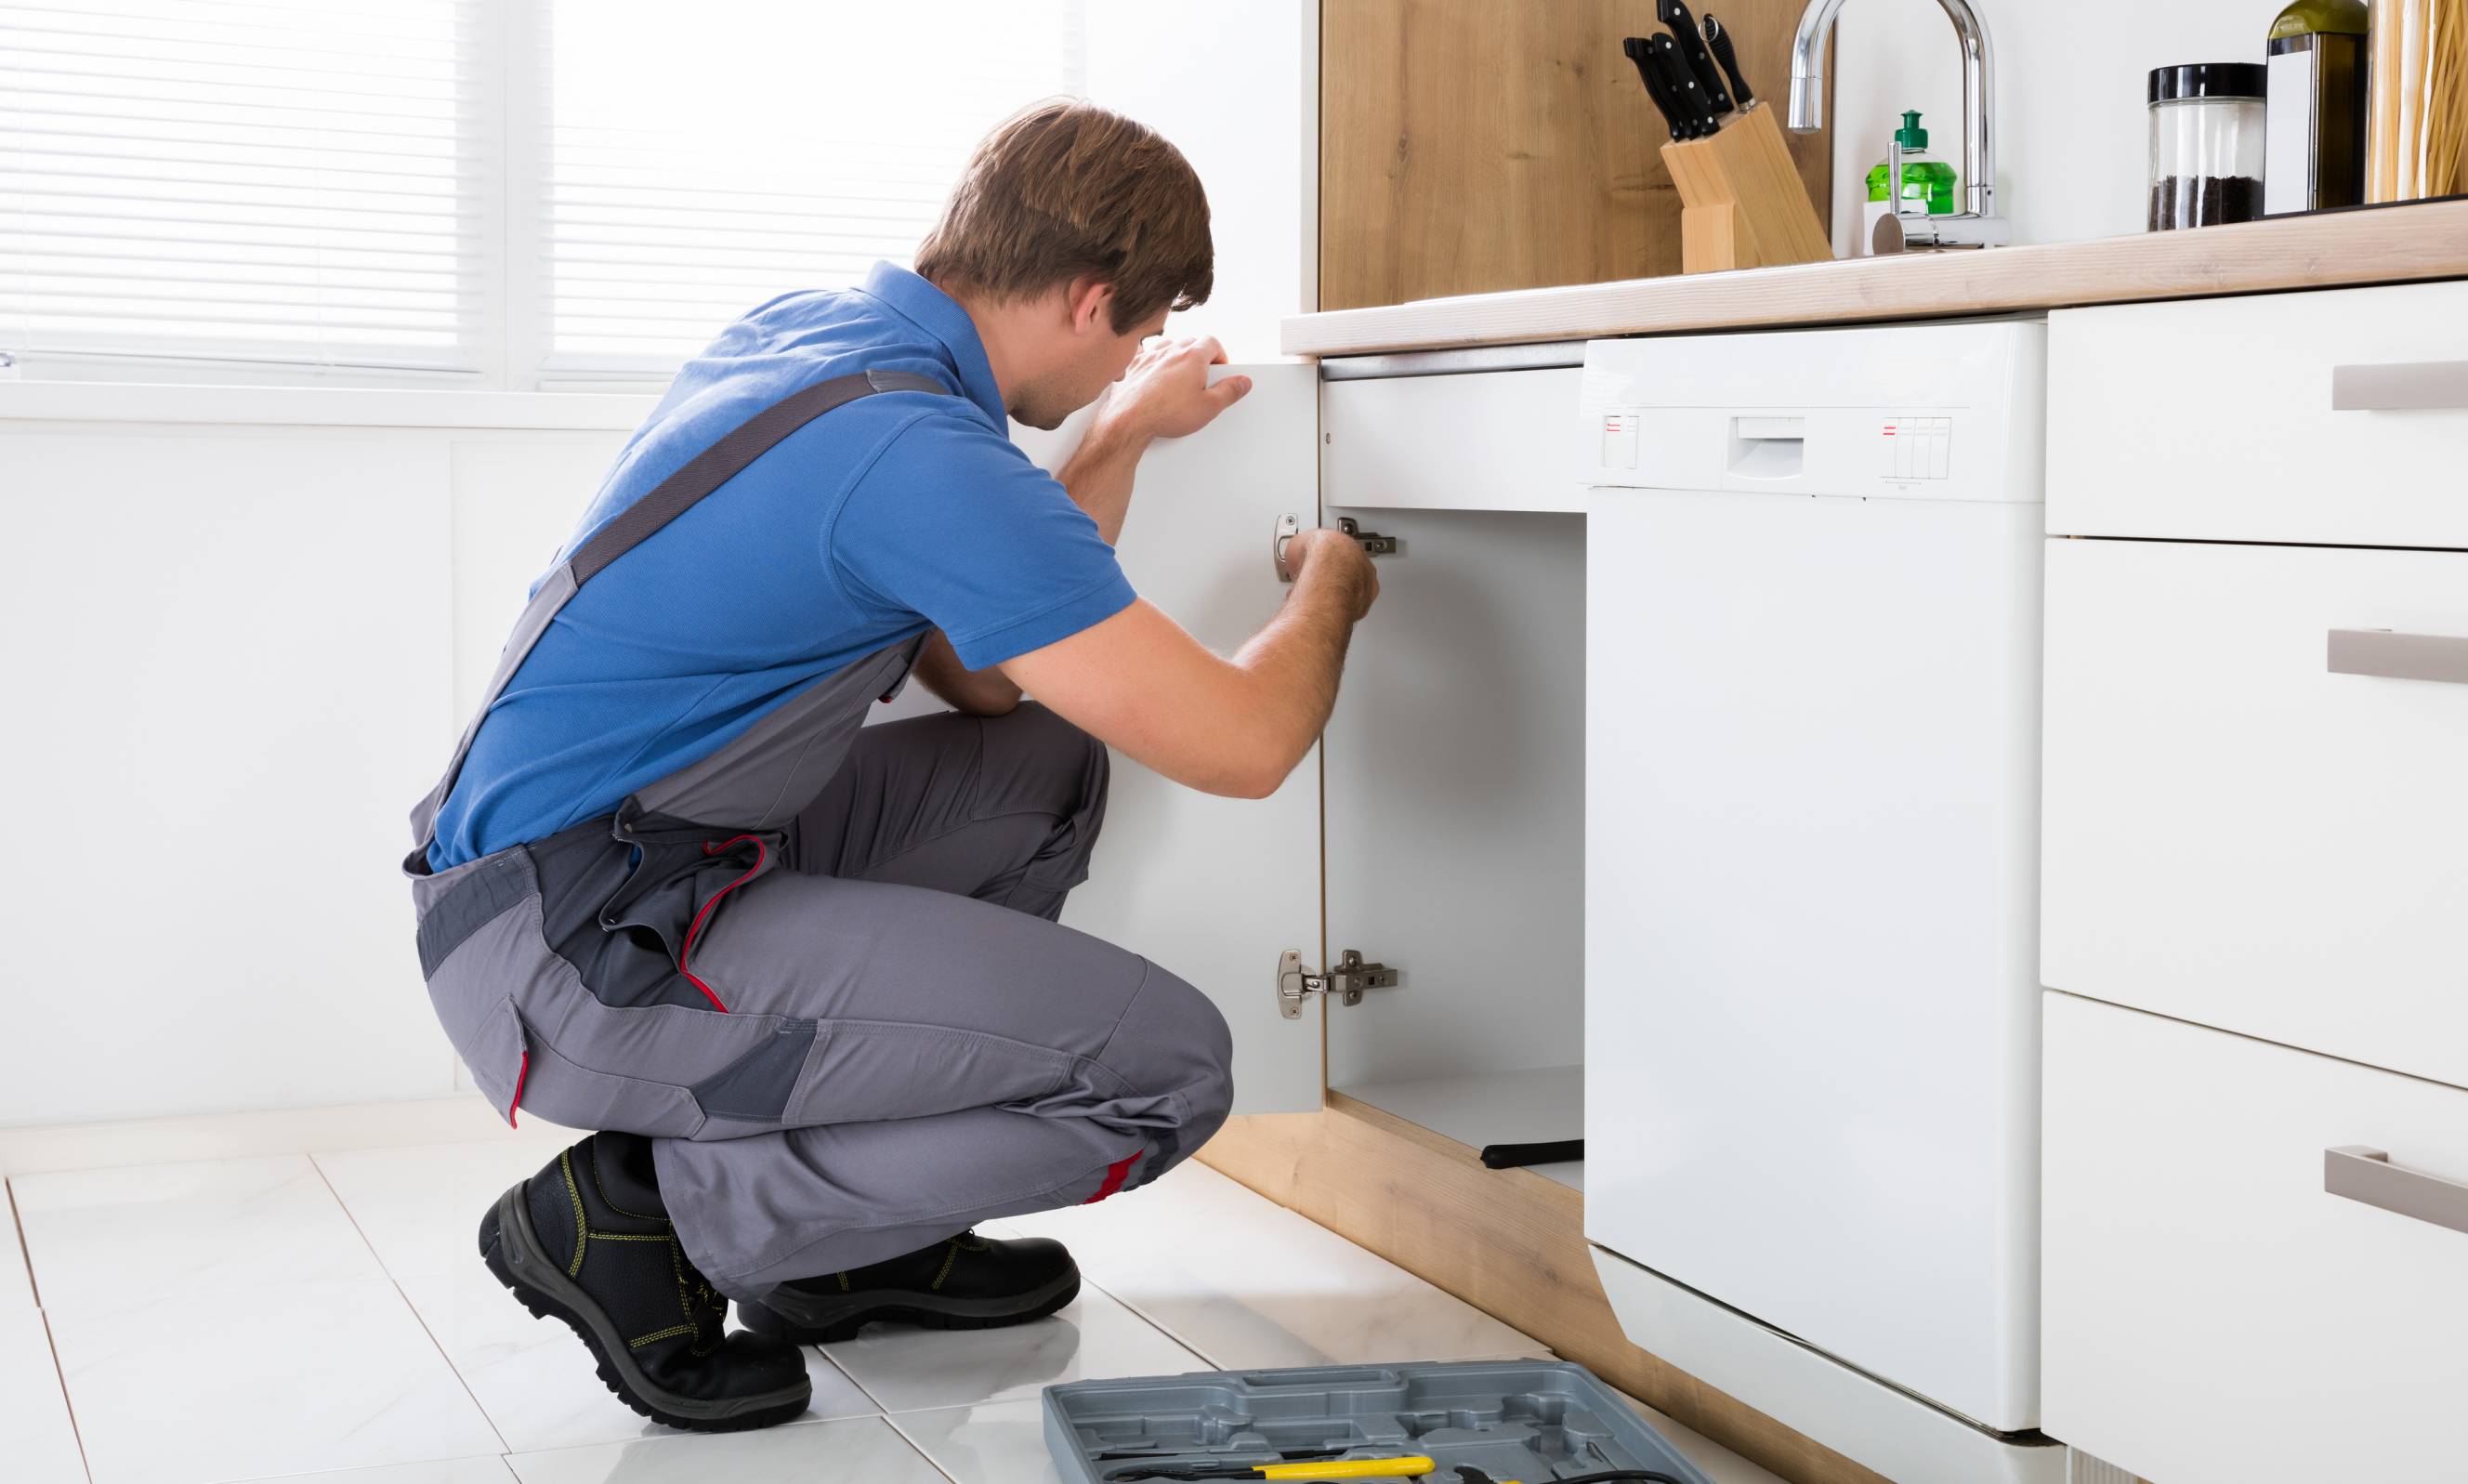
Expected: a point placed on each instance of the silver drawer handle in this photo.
(2360, 1174)
(2405, 386)
(2398, 656)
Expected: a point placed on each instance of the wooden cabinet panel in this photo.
(1469, 145)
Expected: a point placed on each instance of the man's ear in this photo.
(1091, 304)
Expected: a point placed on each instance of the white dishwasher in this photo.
(1812, 786)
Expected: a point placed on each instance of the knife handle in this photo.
(1674, 14)
(1695, 117)
(1718, 41)
(1643, 56)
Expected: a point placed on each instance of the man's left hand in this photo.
(1165, 393)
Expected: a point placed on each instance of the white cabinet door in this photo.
(2238, 833)
(1214, 889)
(2328, 418)
(2214, 1314)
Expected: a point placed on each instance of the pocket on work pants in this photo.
(472, 993)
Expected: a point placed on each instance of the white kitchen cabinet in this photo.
(2253, 885)
(2335, 417)
(2238, 833)
(2213, 1314)
(1442, 820)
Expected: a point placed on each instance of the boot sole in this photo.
(817, 1319)
(512, 1251)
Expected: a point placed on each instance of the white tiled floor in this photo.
(325, 1319)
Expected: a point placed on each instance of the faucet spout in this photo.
(1979, 91)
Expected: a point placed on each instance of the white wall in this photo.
(1226, 83)
(2072, 142)
(243, 628)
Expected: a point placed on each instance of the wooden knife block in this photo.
(1741, 204)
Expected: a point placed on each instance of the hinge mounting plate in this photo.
(1347, 980)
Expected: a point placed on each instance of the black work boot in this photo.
(587, 1241)
(966, 1282)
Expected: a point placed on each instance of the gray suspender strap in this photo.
(639, 522)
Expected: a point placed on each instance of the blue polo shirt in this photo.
(898, 511)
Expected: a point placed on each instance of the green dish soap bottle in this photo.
(1924, 179)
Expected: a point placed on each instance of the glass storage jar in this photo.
(2206, 144)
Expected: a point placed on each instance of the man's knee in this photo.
(1208, 1093)
(1174, 1041)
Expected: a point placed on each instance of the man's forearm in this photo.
(1098, 475)
(981, 693)
(1296, 659)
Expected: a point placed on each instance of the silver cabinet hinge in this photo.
(1347, 980)
(1374, 544)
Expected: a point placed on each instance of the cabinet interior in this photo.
(1454, 827)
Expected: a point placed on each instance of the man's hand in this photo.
(1166, 394)
(1330, 554)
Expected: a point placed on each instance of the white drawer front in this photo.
(2211, 1315)
(2235, 835)
(1492, 439)
(2213, 419)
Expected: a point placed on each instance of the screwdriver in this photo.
(1329, 1469)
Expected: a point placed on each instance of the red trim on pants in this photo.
(714, 848)
(1115, 1174)
(520, 1072)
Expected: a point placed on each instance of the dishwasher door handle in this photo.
(2397, 656)
(2401, 386)
(2356, 1173)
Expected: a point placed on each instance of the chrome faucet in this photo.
(1903, 230)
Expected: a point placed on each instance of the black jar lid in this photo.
(2207, 79)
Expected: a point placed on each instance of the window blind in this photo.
(303, 183)
(698, 161)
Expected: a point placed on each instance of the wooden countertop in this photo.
(2384, 245)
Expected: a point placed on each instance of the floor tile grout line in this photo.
(417, 1316)
(68, 1404)
(919, 1448)
(25, 1253)
(1141, 1314)
(50, 1342)
(879, 1408)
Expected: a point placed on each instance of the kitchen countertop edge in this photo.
(2392, 244)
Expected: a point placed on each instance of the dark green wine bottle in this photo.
(2315, 130)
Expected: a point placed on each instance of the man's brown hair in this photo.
(1068, 190)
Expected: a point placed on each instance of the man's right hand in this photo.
(1223, 726)
(1332, 555)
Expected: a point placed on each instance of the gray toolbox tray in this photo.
(1531, 1420)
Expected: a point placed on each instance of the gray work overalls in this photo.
(859, 1055)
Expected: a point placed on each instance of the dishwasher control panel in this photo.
(1864, 412)
(1917, 448)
